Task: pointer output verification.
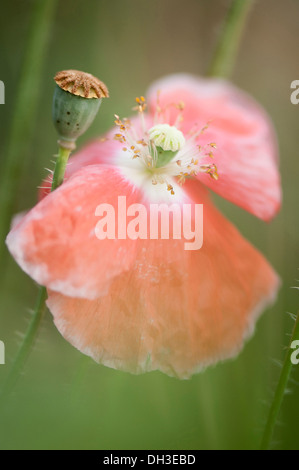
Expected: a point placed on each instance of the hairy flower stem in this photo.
(26, 345)
(24, 114)
(30, 335)
(226, 50)
(60, 166)
(280, 391)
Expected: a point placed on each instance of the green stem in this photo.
(60, 166)
(227, 47)
(280, 391)
(24, 113)
(28, 341)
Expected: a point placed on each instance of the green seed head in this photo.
(76, 101)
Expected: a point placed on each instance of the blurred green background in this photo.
(66, 401)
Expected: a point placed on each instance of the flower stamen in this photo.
(166, 154)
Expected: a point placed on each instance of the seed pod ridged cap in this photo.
(81, 84)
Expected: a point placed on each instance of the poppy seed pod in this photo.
(76, 101)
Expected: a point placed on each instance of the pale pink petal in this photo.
(56, 244)
(246, 153)
(174, 315)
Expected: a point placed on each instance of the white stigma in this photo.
(167, 137)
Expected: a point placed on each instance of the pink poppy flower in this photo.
(150, 304)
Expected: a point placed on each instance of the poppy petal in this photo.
(56, 243)
(179, 315)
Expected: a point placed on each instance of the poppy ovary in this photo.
(76, 101)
